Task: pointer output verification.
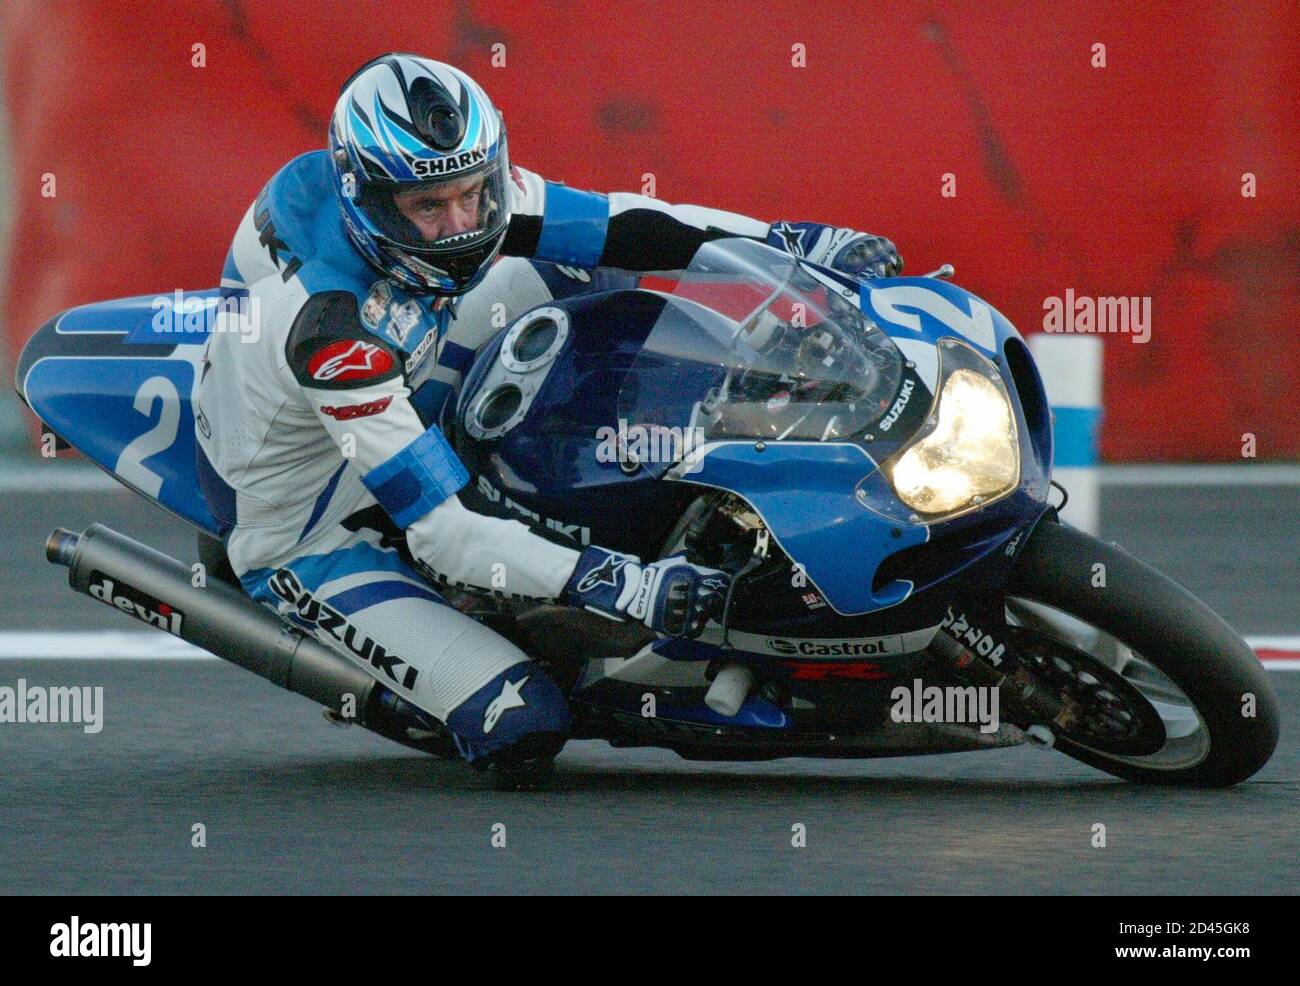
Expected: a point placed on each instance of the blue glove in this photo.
(844, 250)
(671, 596)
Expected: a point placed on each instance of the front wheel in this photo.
(1173, 694)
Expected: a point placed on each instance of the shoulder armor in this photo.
(329, 349)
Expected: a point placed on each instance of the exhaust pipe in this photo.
(217, 617)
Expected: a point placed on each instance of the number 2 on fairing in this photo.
(130, 464)
(977, 326)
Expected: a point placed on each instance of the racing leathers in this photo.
(335, 490)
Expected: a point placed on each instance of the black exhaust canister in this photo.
(157, 590)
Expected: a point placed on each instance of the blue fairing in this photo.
(827, 504)
(106, 381)
(917, 312)
(550, 464)
(805, 493)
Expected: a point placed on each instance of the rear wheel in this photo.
(1169, 693)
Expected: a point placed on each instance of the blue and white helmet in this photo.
(411, 140)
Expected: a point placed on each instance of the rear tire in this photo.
(1168, 628)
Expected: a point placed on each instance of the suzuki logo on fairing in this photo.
(508, 699)
(904, 396)
(311, 610)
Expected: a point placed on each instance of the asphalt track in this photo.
(292, 805)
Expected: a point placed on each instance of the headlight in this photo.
(971, 454)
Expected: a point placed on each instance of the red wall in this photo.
(1119, 180)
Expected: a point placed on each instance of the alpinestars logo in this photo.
(791, 237)
(312, 611)
(349, 360)
(508, 699)
(606, 573)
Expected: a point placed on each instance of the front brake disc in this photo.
(1112, 715)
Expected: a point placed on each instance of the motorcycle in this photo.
(869, 460)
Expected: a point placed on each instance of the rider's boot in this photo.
(513, 727)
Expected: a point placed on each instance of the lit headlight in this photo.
(972, 454)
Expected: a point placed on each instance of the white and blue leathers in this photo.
(318, 456)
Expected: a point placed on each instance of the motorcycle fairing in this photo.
(97, 377)
(926, 309)
(814, 526)
(804, 492)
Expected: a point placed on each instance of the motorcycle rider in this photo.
(376, 264)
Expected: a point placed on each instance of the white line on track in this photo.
(53, 477)
(122, 645)
(1281, 653)
(1258, 474)
(1275, 643)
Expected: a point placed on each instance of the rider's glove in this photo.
(671, 596)
(844, 250)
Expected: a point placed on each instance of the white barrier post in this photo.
(1071, 369)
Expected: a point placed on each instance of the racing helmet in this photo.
(420, 172)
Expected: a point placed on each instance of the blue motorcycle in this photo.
(870, 461)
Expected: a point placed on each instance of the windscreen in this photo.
(774, 352)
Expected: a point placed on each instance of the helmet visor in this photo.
(442, 217)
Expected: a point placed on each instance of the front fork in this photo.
(1038, 711)
(988, 659)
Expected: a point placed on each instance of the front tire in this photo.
(1152, 623)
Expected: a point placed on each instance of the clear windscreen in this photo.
(750, 345)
